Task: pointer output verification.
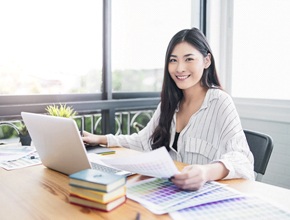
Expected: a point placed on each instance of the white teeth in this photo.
(182, 77)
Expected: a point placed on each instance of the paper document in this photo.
(162, 196)
(14, 156)
(9, 152)
(236, 208)
(156, 163)
(26, 161)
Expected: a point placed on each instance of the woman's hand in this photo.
(193, 177)
(93, 139)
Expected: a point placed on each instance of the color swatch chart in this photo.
(245, 208)
(161, 196)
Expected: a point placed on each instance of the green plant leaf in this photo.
(61, 111)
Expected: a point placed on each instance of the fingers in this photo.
(186, 173)
(86, 137)
(187, 184)
(187, 168)
(189, 179)
(85, 133)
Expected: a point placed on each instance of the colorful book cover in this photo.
(98, 196)
(96, 205)
(97, 180)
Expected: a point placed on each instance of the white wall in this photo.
(267, 116)
(278, 170)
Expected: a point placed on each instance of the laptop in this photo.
(59, 144)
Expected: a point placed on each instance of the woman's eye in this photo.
(189, 59)
(172, 60)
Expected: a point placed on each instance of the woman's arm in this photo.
(137, 141)
(232, 159)
(93, 139)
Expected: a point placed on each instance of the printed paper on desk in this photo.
(156, 163)
(14, 151)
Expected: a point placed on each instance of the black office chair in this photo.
(261, 146)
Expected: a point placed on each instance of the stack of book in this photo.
(97, 189)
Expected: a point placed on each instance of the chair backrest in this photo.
(261, 145)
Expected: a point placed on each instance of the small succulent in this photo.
(22, 129)
(61, 110)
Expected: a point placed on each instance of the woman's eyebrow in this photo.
(186, 55)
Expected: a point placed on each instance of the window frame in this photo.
(248, 108)
(107, 102)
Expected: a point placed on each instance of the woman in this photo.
(196, 120)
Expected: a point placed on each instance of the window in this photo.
(141, 31)
(250, 41)
(50, 47)
(261, 48)
(55, 47)
(52, 52)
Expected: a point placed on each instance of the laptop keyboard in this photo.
(97, 166)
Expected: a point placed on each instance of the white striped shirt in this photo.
(213, 133)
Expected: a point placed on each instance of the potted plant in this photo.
(24, 136)
(61, 110)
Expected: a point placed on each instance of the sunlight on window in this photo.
(55, 47)
(141, 31)
(50, 47)
(260, 49)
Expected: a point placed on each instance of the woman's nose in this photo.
(180, 67)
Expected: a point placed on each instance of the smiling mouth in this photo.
(182, 77)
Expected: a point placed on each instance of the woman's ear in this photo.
(207, 61)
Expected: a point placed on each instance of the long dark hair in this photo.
(171, 94)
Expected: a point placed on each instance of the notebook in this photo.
(59, 144)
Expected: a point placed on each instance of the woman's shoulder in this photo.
(216, 93)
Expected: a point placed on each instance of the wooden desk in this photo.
(40, 193)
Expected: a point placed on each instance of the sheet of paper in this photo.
(156, 163)
(9, 152)
(236, 208)
(213, 195)
(162, 196)
(9, 141)
(26, 161)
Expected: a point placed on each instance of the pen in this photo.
(106, 153)
(138, 216)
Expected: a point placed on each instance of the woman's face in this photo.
(186, 65)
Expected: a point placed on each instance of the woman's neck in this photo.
(194, 94)
(189, 105)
